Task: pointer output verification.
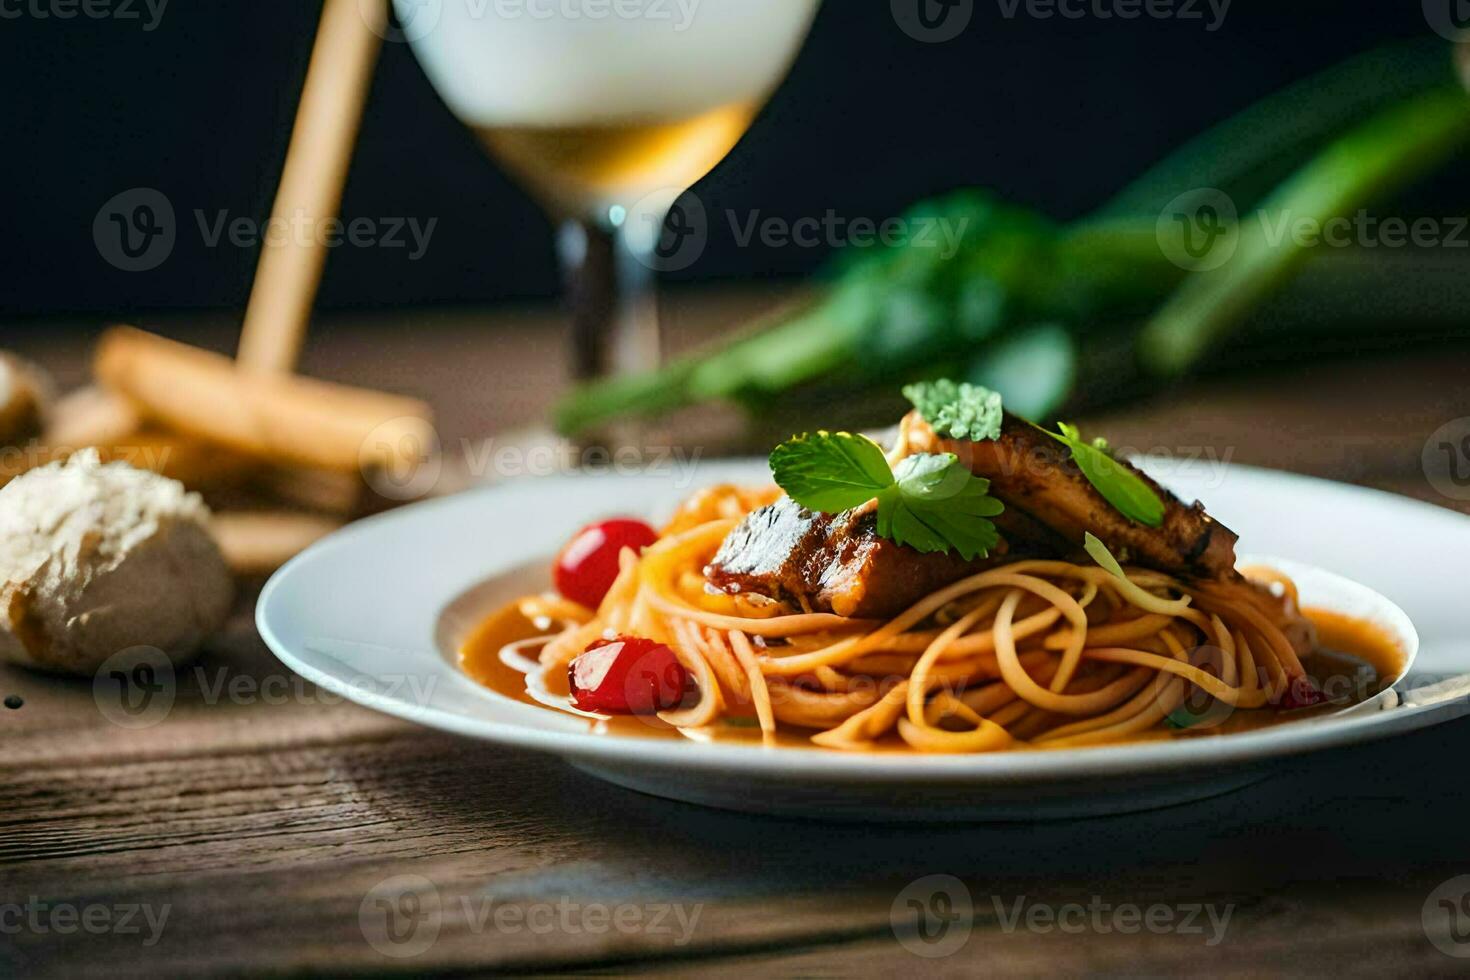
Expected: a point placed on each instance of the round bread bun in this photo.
(98, 559)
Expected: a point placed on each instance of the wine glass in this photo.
(607, 110)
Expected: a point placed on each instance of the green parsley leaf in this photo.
(830, 471)
(930, 503)
(1118, 484)
(960, 411)
(936, 504)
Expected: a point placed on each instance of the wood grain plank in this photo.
(265, 861)
(267, 824)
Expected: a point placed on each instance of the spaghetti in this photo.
(1040, 652)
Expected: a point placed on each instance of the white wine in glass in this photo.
(607, 111)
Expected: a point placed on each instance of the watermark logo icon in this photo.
(401, 459)
(933, 916)
(1449, 19)
(1446, 917)
(135, 230)
(667, 230)
(415, 18)
(1446, 458)
(399, 916)
(1198, 710)
(136, 687)
(1199, 229)
(932, 21)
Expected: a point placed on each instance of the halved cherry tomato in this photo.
(588, 565)
(628, 675)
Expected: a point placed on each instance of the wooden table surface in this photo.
(266, 826)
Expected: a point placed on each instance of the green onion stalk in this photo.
(1037, 309)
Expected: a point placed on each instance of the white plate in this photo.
(375, 611)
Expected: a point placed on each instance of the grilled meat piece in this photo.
(1033, 473)
(838, 563)
(834, 562)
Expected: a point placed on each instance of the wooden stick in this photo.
(315, 171)
(283, 418)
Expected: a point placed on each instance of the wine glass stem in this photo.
(612, 290)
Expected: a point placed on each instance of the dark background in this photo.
(1052, 113)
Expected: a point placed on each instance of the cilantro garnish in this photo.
(1118, 484)
(937, 503)
(930, 502)
(960, 411)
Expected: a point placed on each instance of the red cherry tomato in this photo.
(627, 676)
(588, 565)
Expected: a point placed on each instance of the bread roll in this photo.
(96, 559)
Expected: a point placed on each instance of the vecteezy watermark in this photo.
(23, 458)
(146, 13)
(1189, 706)
(300, 228)
(932, 21)
(1449, 19)
(1446, 917)
(1446, 458)
(1204, 919)
(41, 917)
(666, 229)
(832, 230)
(1210, 13)
(218, 685)
(674, 920)
(136, 230)
(399, 916)
(1201, 229)
(486, 458)
(669, 230)
(139, 687)
(402, 917)
(1364, 230)
(1206, 464)
(401, 459)
(935, 21)
(416, 19)
(933, 916)
(136, 687)
(678, 14)
(414, 470)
